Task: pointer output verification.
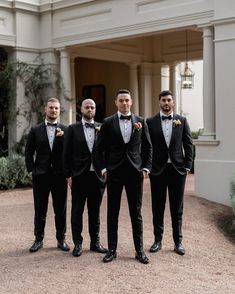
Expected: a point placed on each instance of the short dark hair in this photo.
(123, 91)
(165, 93)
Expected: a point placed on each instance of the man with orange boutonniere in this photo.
(172, 160)
(43, 156)
(83, 177)
(124, 155)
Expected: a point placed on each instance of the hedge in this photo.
(13, 173)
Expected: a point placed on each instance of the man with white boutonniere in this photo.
(124, 154)
(85, 181)
(43, 156)
(172, 160)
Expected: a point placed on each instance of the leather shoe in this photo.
(179, 249)
(97, 247)
(63, 245)
(36, 246)
(156, 247)
(77, 250)
(141, 257)
(110, 255)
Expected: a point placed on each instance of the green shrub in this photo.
(232, 194)
(13, 173)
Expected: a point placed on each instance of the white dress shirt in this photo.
(90, 137)
(50, 133)
(126, 127)
(167, 129)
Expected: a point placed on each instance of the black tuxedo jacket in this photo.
(112, 150)
(77, 157)
(180, 149)
(39, 157)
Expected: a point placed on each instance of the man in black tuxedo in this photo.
(85, 181)
(124, 154)
(43, 156)
(172, 160)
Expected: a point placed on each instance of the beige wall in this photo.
(112, 75)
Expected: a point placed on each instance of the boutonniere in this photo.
(97, 128)
(176, 122)
(59, 132)
(137, 126)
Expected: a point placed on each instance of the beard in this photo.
(88, 116)
(166, 108)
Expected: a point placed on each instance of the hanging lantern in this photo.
(187, 76)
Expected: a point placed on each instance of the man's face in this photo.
(166, 104)
(52, 111)
(88, 109)
(123, 103)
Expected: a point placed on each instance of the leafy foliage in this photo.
(232, 193)
(13, 173)
(39, 81)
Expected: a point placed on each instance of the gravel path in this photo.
(207, 267)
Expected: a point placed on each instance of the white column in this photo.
(157, 86)
(146, 89)
(133, 85)
(165, 77)
(66, 101)
(172, 88)
(73, 91)
(208, 84)
(172, 69)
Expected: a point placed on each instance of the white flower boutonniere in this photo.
(97, 128)
(59, 132)
(137, 126)
(176, 122)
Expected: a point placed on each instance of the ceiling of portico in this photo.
(165, 48)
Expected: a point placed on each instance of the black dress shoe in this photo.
(179, 249)
(36, 246)
(97, 247)
(63, 245)
(141, 257)
(156, 247)
(110, 255)
(77, 250)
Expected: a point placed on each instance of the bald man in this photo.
(85, 182)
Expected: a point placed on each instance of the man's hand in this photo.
(104, 176)
(30, 175)
(69, 181)
(146, 174)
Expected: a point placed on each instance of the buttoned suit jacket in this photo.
(180, 149)
(77, 157)
(39, 157)
(112, 150)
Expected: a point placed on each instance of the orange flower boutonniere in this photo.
(59, 132)
(137, 126)
(176, 122)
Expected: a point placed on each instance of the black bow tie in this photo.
(166, 117)
(51, 124)
(125, 116)
(89, 125)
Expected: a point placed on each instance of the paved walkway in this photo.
(207, 267)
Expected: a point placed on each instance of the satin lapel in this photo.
(97, 129)
(159, 124)
(45, 136)
(133, 120)
(117, 128)
(83, 137)
(55, 138)
(173, 130)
